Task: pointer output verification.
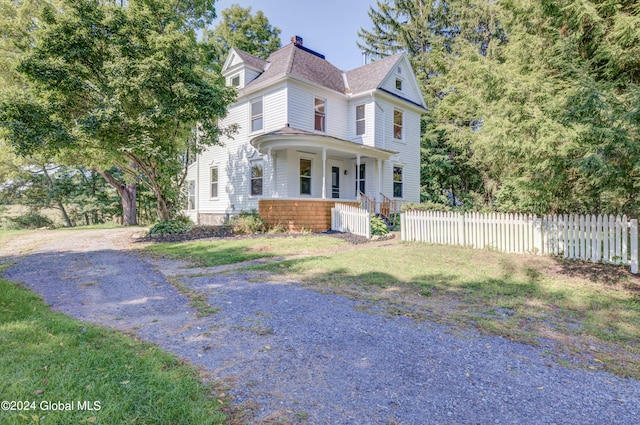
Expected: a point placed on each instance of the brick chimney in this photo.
(296, 40)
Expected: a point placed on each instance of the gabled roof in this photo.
(250, 60)
(370, 76)
(303, 64)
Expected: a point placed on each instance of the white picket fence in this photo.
(347, 218)
(606, 239)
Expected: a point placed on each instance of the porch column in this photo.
(379, 175)
(270, 185)
(357, 175)
(324, 173)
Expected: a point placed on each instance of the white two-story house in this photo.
(309, 135)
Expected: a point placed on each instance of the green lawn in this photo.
(48, 359)
(227, 251)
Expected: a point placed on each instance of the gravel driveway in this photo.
(292, 355)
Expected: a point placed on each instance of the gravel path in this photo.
(296, 356)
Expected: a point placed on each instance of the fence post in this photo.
(634, 246)
(403, 227)
(537, 235)
(461, 235)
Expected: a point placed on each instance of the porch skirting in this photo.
(298, 215)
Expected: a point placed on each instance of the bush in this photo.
(31, 220)
(248, 223)
(426, 206)
(180, 224)
(378, 226)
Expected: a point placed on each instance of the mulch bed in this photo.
(208, 232)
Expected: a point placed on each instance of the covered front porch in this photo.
(302, 168)
(305, 165)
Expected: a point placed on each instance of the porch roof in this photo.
(288, 137)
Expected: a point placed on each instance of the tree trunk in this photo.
(127, 194)
(164, 209)
(59, 203)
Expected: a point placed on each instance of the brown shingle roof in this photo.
(299, 62)
(370, 76)
(249, 59)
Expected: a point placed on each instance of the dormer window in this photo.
(235, 81)
(320, 116)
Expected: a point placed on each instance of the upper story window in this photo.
(257, 121)
(257, 171)
(360, 122)
(235, 81)
(320, 114)
(397, 124)
(399, 84)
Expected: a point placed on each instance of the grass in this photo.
(48, 358)
(219, 252)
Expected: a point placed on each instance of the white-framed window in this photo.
(360, 186)
(235, 81)
(257, 121)
(360, 120)
(397, 124)
(397, 181)
(213, 182)
(398, 83)
(257, 172)
(320, 118)
(305, 176)
(191, 195)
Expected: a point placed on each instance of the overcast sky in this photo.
(329, 27)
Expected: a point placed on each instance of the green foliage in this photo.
(118, 86)
(239, 28)
(378, 226)
(30, 220)
(177, 225)
(425, 206)
(534, 106)
(248, 223)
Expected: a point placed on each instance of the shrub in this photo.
(248, 223)
(426, 206)
(180, 224)
(378, 226)
(31, 220)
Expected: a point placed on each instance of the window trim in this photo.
(400, 182)
(300, 176)
(256, 117)
(363, 119)
(252, 164)
(323, 114)
(191, 195)
(401, 126)
(400, 82)
(361, 178)
(211, 182)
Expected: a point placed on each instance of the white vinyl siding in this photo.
(301, 111)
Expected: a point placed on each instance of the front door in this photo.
(335, 182)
